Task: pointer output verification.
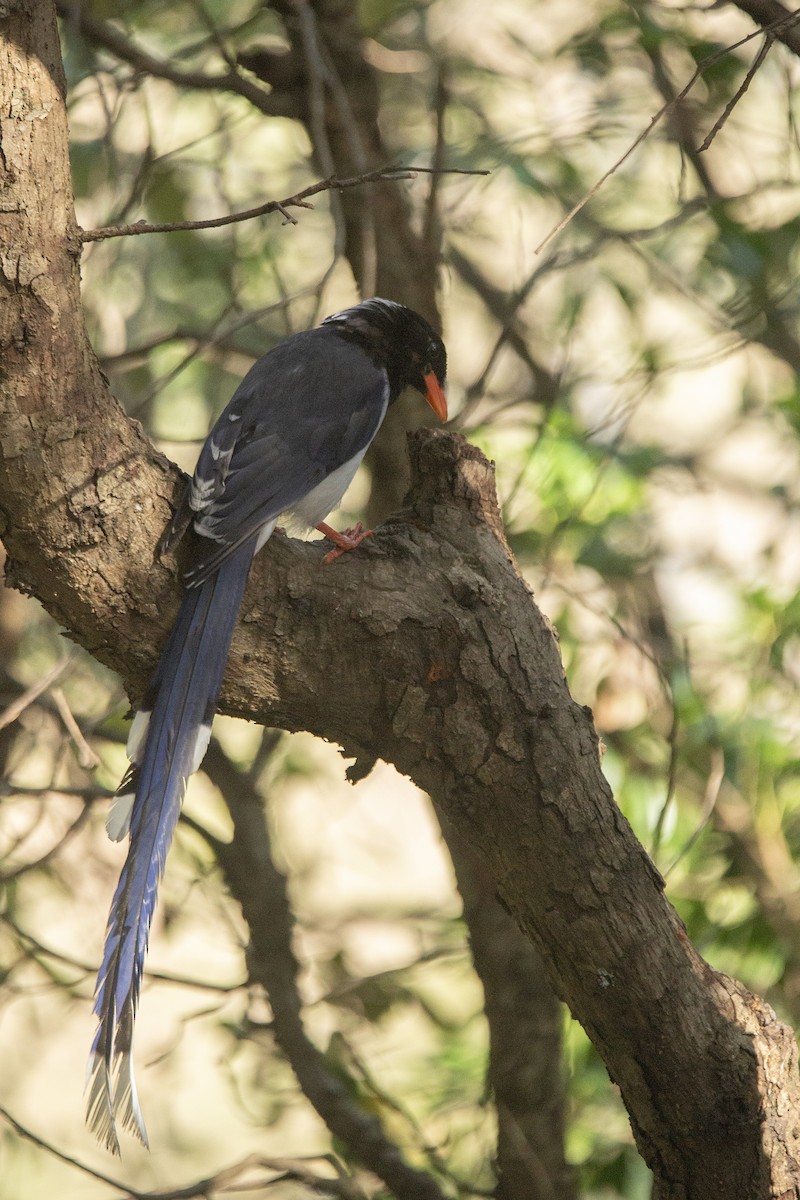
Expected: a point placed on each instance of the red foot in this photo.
(347, 540)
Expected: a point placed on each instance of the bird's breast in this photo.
(324, 498)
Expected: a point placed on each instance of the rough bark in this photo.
(61, 462)
(440, 663)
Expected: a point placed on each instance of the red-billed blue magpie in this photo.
(285, 448)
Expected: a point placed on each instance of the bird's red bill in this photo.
(435, 396)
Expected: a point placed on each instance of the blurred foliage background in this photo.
(635, 380)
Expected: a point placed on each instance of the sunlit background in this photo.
(634, 379)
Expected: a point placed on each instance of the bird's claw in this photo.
(345, 541)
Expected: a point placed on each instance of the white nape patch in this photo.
(234, 416)
(137, 734)
(118, 821)
(200, 747)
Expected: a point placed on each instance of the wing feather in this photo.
(303, 411)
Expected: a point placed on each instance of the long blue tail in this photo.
(164, 751)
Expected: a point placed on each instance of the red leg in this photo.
(347, 540)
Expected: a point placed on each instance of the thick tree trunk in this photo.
(67, 452)
(425, 649)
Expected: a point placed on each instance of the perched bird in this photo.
(285, 448)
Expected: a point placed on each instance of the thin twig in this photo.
(388, 174)
(35, 949)
(763, 51)
(43, 859)
(431, 229)
(86, 755)
(318, 75)
(324, 74)
(27, 698)
(672, 770)
(204, 341)
(710, 795)
(30, 1136)
(225, 1179)
(665, 109)
(774, 17)
(342, 1185)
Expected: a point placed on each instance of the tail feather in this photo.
(167, 750)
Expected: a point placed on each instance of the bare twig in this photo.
(321, 63)
(216, 338)
(49, 1148)
(90, 794)
(684, 126)
(36, 949)
(319, 74)
(716, 776)
(763, 51)
(37, 863)
(86, 755)
(225, 1179)
(503, 308)
(431, 230)
(672, 770)
(341, 1185)
(387, 174)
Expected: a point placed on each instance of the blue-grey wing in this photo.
(305, 409)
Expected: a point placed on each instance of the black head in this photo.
(401, 341)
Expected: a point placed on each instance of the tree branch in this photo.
(775, 19)
(101, 33)
(389, 174)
